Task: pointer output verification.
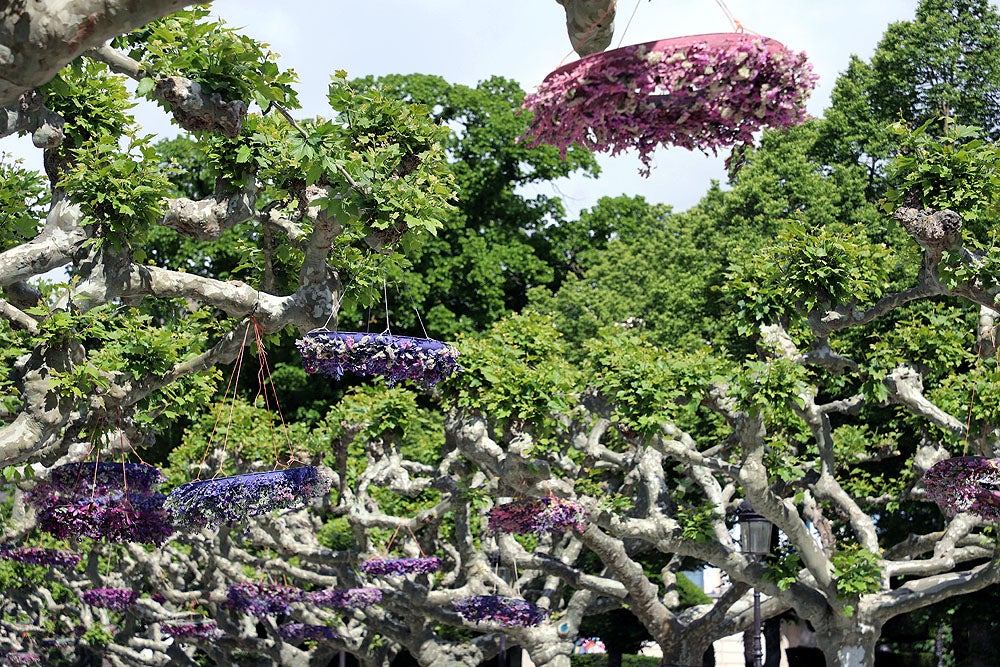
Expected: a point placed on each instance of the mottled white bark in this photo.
(39, 37)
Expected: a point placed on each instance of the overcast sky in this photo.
(466, 41)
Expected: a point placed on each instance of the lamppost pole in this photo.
(755, 540)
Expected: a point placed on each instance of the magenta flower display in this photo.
(23, 659)
(397, 566)
(40, 556)
(116, 517)
(396, 358)
(508, 612)
(349, 598)
(213, 502)
(965, 484)
(300, 631)
(704, 92)
(262, 599)
(116, 599)
(537, 515)
(192, 630)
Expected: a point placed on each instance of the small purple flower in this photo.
(41, 556)
(966, 484)
(398, 566)
(23, 659)
(116, 599)
(537, 515)
(300, 631)
(226, 500)
(262, 599)
(195, 630)
(508, 612)
(350, 598)
(396, 358)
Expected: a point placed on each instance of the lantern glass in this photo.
(755, 534)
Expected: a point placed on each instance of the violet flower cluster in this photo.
(23, 659)
(116, 517)
(537, 515)
(40, 556)
(262, 599)
(704, 92)
(111, 501)
(965, 484)
(503, 611)
(398, 566)
(349, 598)
(396, 358)
(116, 599)
(194, 630)
(294, 632)
(226, 500)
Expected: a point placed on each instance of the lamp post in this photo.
(755, 540)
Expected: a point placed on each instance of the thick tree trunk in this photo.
(849, 646)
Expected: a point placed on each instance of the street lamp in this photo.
(755, 540)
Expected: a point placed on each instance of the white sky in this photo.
(466, 41)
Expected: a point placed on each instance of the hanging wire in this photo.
(634, 10)
(737, 26)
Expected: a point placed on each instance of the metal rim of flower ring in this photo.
(698, 92)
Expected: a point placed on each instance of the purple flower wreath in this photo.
(116, 599)
(377, 567)
(397, 358)
(965, 484)
(116, 517)
(41, 556)
(225, 500)
(704, 92)
(23, 659)
(537, 515)
(100, 478)
(192, 630)
(504, 611)
(349, 598)
(299, 631)
(262, 599)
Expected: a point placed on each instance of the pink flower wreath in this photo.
(703, 91)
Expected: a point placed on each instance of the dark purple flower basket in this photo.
(41, 556)
(213, 502)
(397, 358)
(701, 91)
(349, 598)
(537, 515)
(378, 567)
(193, 630)
(115, 517)
(966, 484)
(262, 599)
(116, 599)
(295, 632)
(508, 612)
(100, 478)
